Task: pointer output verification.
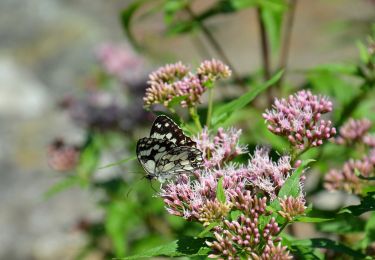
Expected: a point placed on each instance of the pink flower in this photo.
(62, 157)
(176, 80)
(292, 207)
(347, 178)
(119, 61)
(354, 131)
(212, 70)
(220, 148)
(299, 119)
(266, 175)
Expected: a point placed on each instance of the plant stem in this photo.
(264, 43)
(219, 50)
(210, 105)
(195, 117)
(296, 154)
(285, 45)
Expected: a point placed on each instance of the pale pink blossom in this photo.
(299, 119)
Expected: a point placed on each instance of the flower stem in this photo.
(210, 105)
(194, 115)
(219, 50)
(285, 45)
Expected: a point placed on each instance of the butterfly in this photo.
(168, 151)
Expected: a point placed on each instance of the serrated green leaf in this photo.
(291, 187)
(183, 247)
(220, 193)
(222, 113)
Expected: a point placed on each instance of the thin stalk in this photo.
(194, 115)
(296, 154)
(285, 45)
(210, 105)
(265, 49)
(219, 50)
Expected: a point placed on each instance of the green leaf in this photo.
(220, 193)
(177, 100)
(222, 113)
(183, 247)
(273, 23)
(235, 214)
(311, 219)
(342, 224)
(328, 244)
(89, 158)
(369, 231)
(118, 162)
(291, 186)
(61, 186)
(208, 229)
(367, 204)
(126, 20)
(301, 251)
(119, 219)
(363, 52)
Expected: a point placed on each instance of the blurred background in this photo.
(48, 47)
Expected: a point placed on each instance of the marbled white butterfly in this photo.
(168, 151)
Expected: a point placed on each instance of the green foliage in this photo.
(367, 204)
(220, 193)
(223, 112)
(327, 244)
(187, 246)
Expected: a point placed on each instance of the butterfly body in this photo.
(168, 151)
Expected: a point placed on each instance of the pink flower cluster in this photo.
(195, 198)
(176, 80)
(221, 148)
(347, 178)
(244, 235)
(355, 131)
(62, 157)
(299, 119)
(119, 61)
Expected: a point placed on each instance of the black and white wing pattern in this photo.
(168, 151)
(164, 128)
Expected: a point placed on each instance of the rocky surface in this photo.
(45, 48)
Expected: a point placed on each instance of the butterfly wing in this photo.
(150, 150)
(180, 159)
(164, 128)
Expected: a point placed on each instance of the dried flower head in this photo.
(353, 131)
(212, 70)
(220, 148)
(299, 119)
(176, 80)
(62, 157)
(292, 207)
(347, 178)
